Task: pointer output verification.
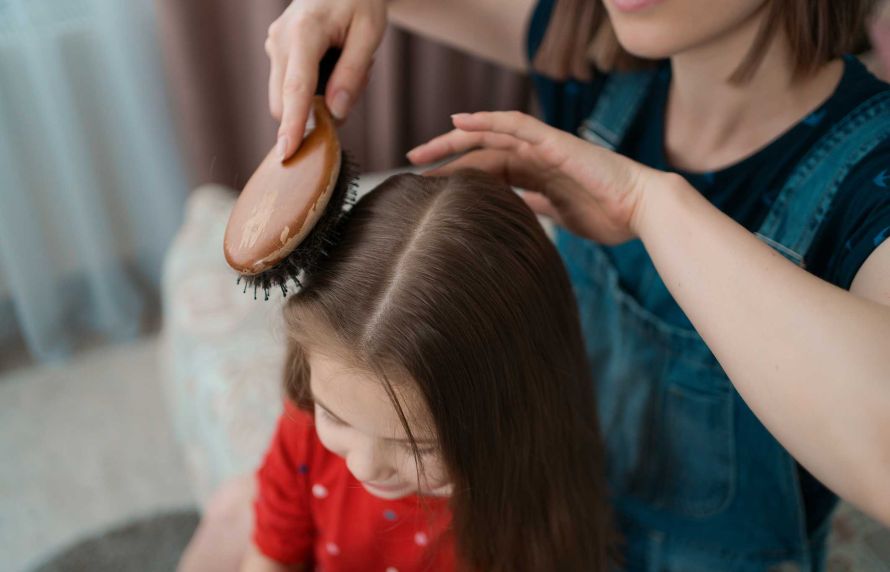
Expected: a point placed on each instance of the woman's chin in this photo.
(648, 46)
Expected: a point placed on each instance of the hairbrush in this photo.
(289, 212)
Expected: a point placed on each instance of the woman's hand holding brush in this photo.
(296, 43)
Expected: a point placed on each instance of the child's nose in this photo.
(367, 462)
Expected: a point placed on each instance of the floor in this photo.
(85, 446)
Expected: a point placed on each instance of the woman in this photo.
(730, 258)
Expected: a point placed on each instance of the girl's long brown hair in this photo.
(579, 37)
(453, 284)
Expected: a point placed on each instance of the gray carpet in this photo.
(152, 544)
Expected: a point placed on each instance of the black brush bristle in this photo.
(306, 257)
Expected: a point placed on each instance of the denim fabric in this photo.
(697, 481)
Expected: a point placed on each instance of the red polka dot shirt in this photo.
(310, 509)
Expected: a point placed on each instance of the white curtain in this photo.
(91, 185)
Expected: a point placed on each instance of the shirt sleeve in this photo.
(283, 524)
(859, 221)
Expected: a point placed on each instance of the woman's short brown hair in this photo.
(580, 37)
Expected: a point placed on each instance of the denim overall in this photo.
(698, 483)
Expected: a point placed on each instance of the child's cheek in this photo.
(438, 475)
(437, 481)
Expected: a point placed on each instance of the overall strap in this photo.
(616, 107)
(801, 205)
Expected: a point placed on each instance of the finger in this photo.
(503, 165)
(487, 160)
(519, 125)
(298, 86)
(441, 146)
(458, 141)
(349, 75)
(276, 77)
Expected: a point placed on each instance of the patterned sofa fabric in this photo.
(222, 350)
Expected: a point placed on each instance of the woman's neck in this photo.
(711, 123)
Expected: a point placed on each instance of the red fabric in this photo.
(310, 509)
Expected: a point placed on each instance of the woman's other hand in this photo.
(296, 43)
(592, 192)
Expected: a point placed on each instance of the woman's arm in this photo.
(491, 29)
(810, 359)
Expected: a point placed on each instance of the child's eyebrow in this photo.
(340, 419)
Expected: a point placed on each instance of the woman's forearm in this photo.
(810, 359)
(491, 29)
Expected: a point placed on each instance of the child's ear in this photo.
(296, 376)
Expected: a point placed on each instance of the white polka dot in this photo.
(319, 491)
(392, 569)
(420, 539)
(332, 549)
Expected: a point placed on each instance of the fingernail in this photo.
(340, 105)
(281, 148)
(459, 116)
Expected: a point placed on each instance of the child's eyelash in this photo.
(330, 417)
(420, 451)
(425, 451)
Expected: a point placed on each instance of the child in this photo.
(439, 413)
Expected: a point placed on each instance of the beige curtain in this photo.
(218, 80)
